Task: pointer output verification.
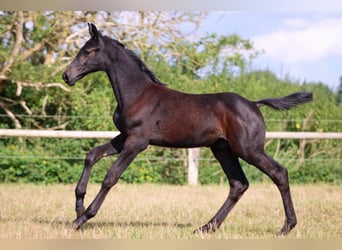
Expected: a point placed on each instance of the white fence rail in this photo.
(112, 134)
(58, 133)
(193, 153)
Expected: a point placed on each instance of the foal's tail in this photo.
(287, 102)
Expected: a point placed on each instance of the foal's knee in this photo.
(90, 158)
(80, 192)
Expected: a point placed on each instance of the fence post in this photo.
(193, 158)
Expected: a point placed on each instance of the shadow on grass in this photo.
(97, 224)
(137, 224)
(248, 231)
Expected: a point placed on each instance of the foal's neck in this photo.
(127, 79)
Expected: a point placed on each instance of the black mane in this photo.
(140, 63)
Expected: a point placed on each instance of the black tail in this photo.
(287, 102)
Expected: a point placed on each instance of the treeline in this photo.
(33, 96)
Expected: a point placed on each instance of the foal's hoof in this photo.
(286, 229)
(207, 228)
(76, 225)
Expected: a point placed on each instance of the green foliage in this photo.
(20, 165)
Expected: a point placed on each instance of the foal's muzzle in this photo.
(65, 78)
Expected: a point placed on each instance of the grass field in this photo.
(149, 211)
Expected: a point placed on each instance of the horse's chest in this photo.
(124, 121)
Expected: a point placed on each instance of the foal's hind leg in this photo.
(97, 153)
(279, 176)
(237, 181)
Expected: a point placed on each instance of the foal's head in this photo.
(91, 57)
(98, 54)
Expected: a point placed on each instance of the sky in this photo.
(306, 46)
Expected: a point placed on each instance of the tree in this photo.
(31, 57)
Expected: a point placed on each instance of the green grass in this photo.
(149, 211)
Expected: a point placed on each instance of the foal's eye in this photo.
(89, 51)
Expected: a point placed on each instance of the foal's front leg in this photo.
(132, 148)
(97, 153)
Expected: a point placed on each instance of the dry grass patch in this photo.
(167, 212)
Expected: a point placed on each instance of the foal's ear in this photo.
(93, 31)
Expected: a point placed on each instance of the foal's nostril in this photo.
(65, 78)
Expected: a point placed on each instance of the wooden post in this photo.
(193, 158)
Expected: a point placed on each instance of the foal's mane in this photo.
(140, 63)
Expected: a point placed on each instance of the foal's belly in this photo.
(184, 134)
